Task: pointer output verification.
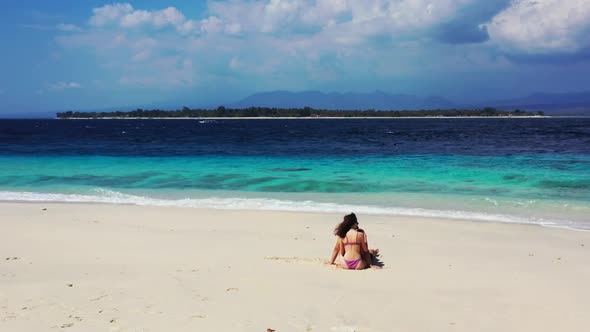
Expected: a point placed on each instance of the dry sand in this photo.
(81, 267)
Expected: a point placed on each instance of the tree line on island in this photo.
(306, 112)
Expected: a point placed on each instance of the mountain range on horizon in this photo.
(577, 103)
(564, 104)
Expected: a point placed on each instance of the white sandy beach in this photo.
(82, 267)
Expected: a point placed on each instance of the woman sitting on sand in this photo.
(351, 243)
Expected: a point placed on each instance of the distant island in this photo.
(552, 104)
(306, 112)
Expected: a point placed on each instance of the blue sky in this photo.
(60, 54)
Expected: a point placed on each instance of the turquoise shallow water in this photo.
(544, 189)
(508, 170)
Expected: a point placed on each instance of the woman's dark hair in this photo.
(346, 224)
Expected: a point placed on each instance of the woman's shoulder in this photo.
(354, 232)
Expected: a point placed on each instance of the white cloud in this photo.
(109, 13)
(326, 11)
(248, 14)
(380, 16)
(395, 16)
(281, 12)
(350, 21)
(542, 26)
(68, 27)
(167, 16)
(159, 18)
(276, 37)
(61, 86)
(233, 29)
(124, 15)
(211, 24)
(187, 27)
(136, 18)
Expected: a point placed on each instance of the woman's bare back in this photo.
(352, 245)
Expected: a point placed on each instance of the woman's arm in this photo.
(335, 251)
(365, 254)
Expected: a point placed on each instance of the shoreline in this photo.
(95, 267)
(402, 212)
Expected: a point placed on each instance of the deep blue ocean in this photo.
(525, 170)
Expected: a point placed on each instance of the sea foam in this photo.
(236, 203)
